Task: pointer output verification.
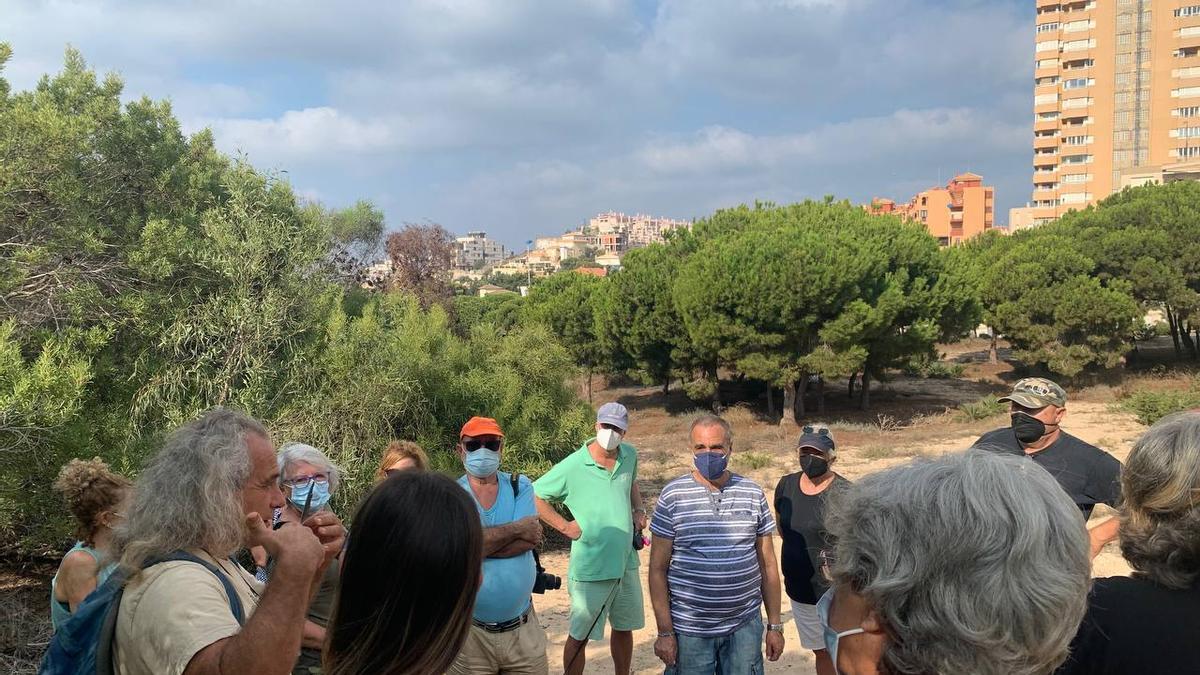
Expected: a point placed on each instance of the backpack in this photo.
(84, 644)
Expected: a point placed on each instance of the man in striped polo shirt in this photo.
(712, 565)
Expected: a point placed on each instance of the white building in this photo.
(476, 250)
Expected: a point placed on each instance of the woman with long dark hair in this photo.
(409, 578)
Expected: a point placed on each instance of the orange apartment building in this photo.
(959, 211)
(1116, 100)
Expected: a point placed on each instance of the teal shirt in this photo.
(61, 611)
(507, 582)
(599, 501)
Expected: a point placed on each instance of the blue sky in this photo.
(525, 118)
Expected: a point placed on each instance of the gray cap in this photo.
(615, 414)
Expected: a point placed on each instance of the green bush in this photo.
(1151, 406)
(982, 409)
(929, 368)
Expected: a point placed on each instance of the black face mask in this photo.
(813, 466)
(1027, 427)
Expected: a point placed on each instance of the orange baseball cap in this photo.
(481, 426)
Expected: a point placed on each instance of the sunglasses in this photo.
(816, 430)
(473, 445)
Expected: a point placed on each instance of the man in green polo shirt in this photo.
(598, 483)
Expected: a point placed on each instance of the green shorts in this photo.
(618, 600)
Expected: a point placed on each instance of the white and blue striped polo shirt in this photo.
(714, 578)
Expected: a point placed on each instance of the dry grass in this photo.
(24, 625)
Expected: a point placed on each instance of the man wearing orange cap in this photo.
(505, 635)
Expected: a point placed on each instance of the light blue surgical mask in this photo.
(320, 495)
(832, 636)
(481, 463)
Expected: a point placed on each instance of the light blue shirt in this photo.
(507, 582)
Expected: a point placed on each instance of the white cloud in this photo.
(306, 135)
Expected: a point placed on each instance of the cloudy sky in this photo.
(525, 117)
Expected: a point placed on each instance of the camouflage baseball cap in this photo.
(1037, 392)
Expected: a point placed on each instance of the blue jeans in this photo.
(739, 653)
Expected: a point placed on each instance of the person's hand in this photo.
(259, 554)
(572, 530)
(292, 547)
(329, 531)
(774, 645)
(639, 521)
(531, 530)
(666, 649)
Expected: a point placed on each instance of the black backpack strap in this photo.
(515, 479)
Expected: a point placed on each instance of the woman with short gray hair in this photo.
(974, 562)
(1150, 622)
(309, 479)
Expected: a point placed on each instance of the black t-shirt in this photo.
(1135, 626)
(801, 520)
(1089, 475)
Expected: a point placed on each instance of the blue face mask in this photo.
(832, 636)
(482, 463)
(320, 495)
(711, 465)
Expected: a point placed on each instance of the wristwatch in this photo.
(777, 627)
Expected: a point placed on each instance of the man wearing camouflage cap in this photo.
(1088, 474)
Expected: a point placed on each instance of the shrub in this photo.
(752, 461)
(982, 409)
(1151, 406)
(926, 367)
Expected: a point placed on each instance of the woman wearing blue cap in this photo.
(800, 511)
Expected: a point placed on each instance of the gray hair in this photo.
(1160, 515)
(713, 421)
(190, 494)
(294, 453)
(976, 562)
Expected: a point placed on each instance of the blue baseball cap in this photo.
(615, 414)
(817, 439)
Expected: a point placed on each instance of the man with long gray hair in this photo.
(210, 491)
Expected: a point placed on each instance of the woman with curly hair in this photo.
(1149, 622)
(94, 496)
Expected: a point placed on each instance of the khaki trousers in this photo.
(522, 650)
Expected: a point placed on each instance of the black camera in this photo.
(544, 581)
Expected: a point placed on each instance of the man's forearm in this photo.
(550, 516)
(772, 596)
(499, 537)
(1103, 533)
(274, 629)
(660, 593)
(513, 549)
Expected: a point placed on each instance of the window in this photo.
(1077, 121)
(1047, 116)
(1077, 178)
(1076, 198)
(1045, 134)
(1076, 26)
(1047, 45)
(1185, 92)
(1077, 45)
(1190, 111)
(1077, 159)
(1125, 39)
(1189, 31)
(1124, 136)
(1042, 99)
(1190, 10)
(1186, 132)
(924, 214)
(1186, 52)
(1047, 27)
(1078, 83)
(1077, 102)
(1194, 71)
(1191, 152)
(1040, 81)
(1077, 140)
(1047, 63)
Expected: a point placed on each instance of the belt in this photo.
(504, 626)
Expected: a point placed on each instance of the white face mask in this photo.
(608, 439)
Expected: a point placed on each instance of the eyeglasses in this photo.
(473, 445)
(822, 431)
(826, 558)
(304, 481)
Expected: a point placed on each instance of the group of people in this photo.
(973, 562)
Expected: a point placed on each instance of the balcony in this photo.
(1047, 3)
(1045, 142)
(1046, 161)
(1045, 125)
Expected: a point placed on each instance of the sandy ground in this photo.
(862, 450)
